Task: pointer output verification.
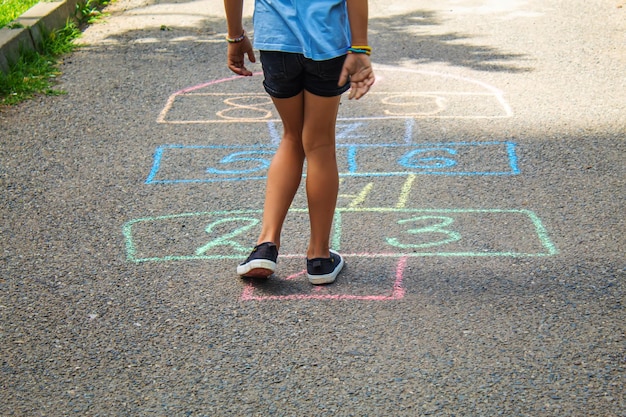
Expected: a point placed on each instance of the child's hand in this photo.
(236, 54)
(359, 68)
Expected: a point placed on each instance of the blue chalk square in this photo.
(218, 163)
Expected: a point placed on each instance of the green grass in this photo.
(12, 9)
(34, 72)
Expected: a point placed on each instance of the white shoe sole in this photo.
(327, 278)
(257, 268)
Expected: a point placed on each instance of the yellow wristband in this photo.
(353, 50)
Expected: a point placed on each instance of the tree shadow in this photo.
(403, 39)
(398, 40)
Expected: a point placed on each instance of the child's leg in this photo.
(285, 172)
(322, 180)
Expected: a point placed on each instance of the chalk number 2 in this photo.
(434, 225)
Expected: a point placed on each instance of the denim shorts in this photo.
(287, 74)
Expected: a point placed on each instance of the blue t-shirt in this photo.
(318, 29)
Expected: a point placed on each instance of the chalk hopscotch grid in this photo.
(489, 91)
(510, 149)
(440, 98)
(268, 115)
(539, 229)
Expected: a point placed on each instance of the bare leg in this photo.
(322, 180)
(285, 172)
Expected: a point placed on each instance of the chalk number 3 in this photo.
(436, 225)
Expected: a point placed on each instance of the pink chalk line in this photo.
(396, 294)
(172, 97)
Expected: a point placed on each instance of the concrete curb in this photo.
(30, 27)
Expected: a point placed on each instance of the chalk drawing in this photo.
(438, 227)
(227, 239)
(397, 291)
(174, 164)
(256, 157)
(397, 96)
(357, 200)
(248, 107)
(407, 232)
(404, 193)
(402, 96)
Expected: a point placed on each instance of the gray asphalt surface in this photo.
(481, 214)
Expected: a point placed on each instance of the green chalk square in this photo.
(357, 232)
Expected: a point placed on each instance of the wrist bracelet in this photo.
(367, 50)
(237, 39)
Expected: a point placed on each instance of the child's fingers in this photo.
(343, 78)
(237, 66)
(251, 56)
(358, 69)
(243, 71)
(236, 57)
(358, 90)
(361, 83)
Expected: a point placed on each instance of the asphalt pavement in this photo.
(481, 216)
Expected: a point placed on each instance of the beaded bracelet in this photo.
(237, 39)
(367, 50)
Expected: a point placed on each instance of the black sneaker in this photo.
(324, 270)
(261, 263)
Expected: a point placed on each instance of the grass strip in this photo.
(12, 9)
(34, 72)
